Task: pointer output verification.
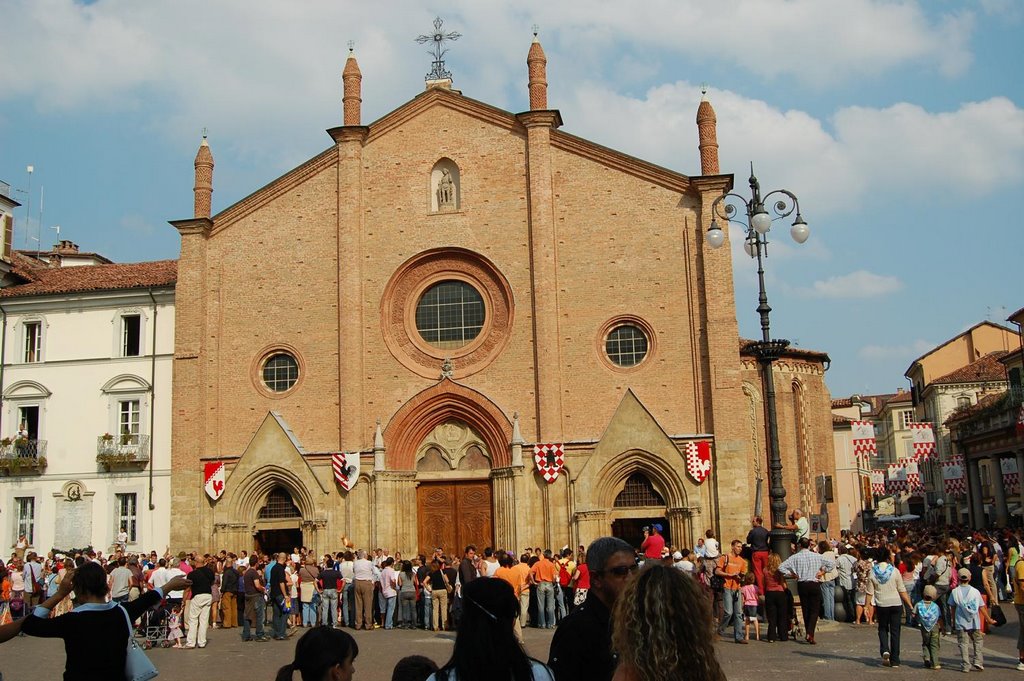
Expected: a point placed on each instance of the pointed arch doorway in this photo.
(278, 523)
(453, 494)
(639, 505)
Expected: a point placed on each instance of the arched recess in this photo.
(453, 179)
(252, 492)
(447, 400)
(126, 383)
(612, 478)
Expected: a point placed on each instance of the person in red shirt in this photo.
(654, 543)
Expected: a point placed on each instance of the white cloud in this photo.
(859, 284)
(907, 351)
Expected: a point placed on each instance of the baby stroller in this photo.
(153, 628)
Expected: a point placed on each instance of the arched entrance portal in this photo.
(278, 523)
(453, 493)
(637, 506)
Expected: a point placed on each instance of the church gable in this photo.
(274, 444)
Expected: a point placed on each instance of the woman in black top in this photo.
(96, 632)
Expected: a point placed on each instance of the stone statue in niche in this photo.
(446, 191)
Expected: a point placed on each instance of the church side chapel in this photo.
(505, 335)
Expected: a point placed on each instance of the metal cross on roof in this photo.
(438, 50)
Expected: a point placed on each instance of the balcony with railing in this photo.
(991, 414)
(122, 451)
(22, 456)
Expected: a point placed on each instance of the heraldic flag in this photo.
(346, 469)
(924, 440)
(953, 482)
(864, 446)
(549, 459)
(878, 481)
(698, 460)
(213, 479)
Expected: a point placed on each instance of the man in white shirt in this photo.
(33, 573)
(159, 577)
(968, 611)
(362, 573)
(175, 597)
(711, 554)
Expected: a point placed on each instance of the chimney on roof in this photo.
(203, 188)
(352, 98)
(66, 247)
(537, 63)
(707, 130)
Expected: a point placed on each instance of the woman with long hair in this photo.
(407, 596)
(486, 648)
(662, 629)
(322, 654)
(776, 605)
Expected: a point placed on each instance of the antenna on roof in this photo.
(57, 227)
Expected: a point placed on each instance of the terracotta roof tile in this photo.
(841, 420)
(842, 403)
(988, 368)
(59, 280)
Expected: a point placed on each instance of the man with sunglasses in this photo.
(581, 649)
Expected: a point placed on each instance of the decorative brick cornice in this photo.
(650, 172)
(200, 226)
(712, 183)
(349, 133)
(447, 98)
(541, 118)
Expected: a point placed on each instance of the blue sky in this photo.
(898, 124)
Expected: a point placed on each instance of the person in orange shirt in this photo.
(522, 568)
(732, 568)
(544, 574)
(517, 580)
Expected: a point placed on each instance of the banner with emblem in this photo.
(878, 481)
(953, 482)
(550, 460)
(213, 479)
(914, 484)
(864, 445)
(346, 469)
(897, 480)
(924, 440)
(1011, 476)
(698, 460)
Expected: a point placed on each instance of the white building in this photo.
(85, 375)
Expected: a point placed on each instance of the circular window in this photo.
(280, 372)
(626, 345)
(450, 314)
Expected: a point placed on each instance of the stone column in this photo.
(395, 511)
(503, 486)
(679, 526)
(1002, 510)
(590, 525)
(975, 503)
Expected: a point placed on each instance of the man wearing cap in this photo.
(653, 543)
(968, 612)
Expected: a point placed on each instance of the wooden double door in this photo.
(453, 515)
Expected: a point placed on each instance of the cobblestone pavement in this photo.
(843, 652)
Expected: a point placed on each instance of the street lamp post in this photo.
(767, 350)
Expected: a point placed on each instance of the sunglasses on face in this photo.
(620, 571)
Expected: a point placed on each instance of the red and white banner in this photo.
(914, 485)
(213, 479)
(864, 446)
(550, 460)
(953, 482)
(878, 481)
(698, 460)
(897, 481)
(346, 469)
(924, 440)
(1011, 476)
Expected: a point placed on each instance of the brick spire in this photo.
(538, 65)
(352, 98)
(707, 131)
(204, 180)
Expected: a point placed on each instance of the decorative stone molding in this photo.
(408, 284)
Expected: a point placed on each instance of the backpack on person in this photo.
(563, 574)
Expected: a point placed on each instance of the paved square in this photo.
(843, 652)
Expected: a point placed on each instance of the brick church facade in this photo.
(438, 292)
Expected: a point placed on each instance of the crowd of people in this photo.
(939, 580)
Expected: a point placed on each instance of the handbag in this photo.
(137, 667)
(997, 614)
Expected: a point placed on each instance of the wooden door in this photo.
(454, 514)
